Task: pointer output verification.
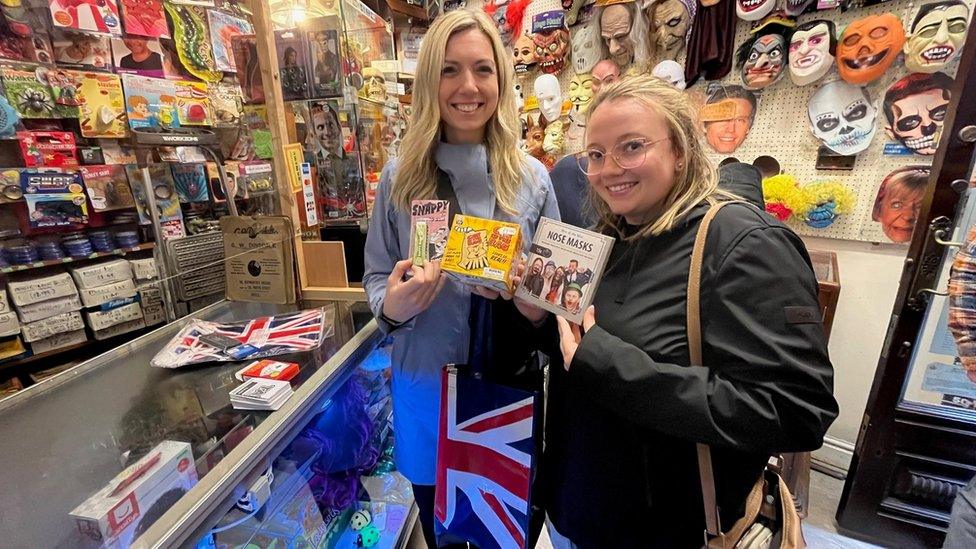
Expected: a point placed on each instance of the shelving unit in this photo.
(66, 260)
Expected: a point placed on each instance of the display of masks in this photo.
(671, 72)
(811, 51)
(586, 46)
(581, 92)
(915, 108)
(524, 55)
(937, 35)
(761, 60)
(549, 96)
(868, 47)
(670, 22)
(572, 9)
(752, 10)
(842, 116)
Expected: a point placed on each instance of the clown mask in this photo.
(615, 24)
(794, 8)
(868, 47)
(549, 96)
(524, 53)
(670, 23)
(586, 46)
(553, 141)
(753, 10)
(938, 33)
(811, 52)
(501, 21)
(671, 72)
(581, 92)
(842, 117)
(764, 64)
(915, 108)
(551, 49)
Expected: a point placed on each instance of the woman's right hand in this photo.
(406, 299)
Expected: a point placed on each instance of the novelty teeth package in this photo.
(482, 252)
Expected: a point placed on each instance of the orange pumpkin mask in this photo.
(868, 47)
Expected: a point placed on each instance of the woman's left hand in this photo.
(570, 334)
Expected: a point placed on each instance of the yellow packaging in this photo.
(482, 252)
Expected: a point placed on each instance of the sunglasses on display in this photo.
(628, 155)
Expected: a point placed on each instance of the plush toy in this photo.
(868, 47)
(937, 35)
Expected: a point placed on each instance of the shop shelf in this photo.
(51, 262)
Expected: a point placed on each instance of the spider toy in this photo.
(35, 101)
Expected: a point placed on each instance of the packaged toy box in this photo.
(482, 252)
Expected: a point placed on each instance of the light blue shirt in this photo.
(439, 335)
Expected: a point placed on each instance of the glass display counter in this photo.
(295, 477)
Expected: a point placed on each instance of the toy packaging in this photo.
(482, 252)
(225, 99)
(325, 64)
(192, 41)
(140, 493)
(92, 276)
(48, 149)
(108, 187)
(429, 220)
(99, 295)
(150, 102)
(35, 290)
(268, 369)
(143, 269)
(144, 18)
(223, 28)
(245, 49)
(101, 16)
(4, 304)
(191, 182)
(171, 216)
(47, 309)
(55, 198)
(9, 325)
(64, 86)
(57, 324)
(292, 64)
(256, 178)
(193, 104)
(119, 329)
(138, 55)
(100, 320)
(28, 92)
(33, 48)
(78, 50)
(102, 105)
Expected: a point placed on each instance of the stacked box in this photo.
(27, 292)
(59, 341)
(46, 307)
(48, 327)
(9, 325)
(143, 269)
(102, 295)
(151, 299)
(4, 303)
(100, 320)
(100, 274)
(49, 308)
(119, 329)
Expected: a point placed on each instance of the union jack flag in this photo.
(485, 458)
(271, 335)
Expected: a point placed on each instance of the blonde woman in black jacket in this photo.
(625, 409)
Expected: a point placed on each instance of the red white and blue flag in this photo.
(485, 458)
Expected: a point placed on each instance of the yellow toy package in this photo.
(482, 252)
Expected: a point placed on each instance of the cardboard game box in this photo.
(434, 217)
(482, 252)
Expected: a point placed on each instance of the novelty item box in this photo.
(57, 324)
(93, 297)
(482, 252)
(8, 324)
(26, 292)
(429, 229)
(143, 269)
(4, 304)
(58, 341)
(119, 329)
(100, 274)
(99, 320)
(49, 308)
(48, 149)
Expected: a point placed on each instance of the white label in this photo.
(308, 193)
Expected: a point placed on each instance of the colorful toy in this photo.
(368, 536)
(192, 43)
(360, 519)
(102, 105)
(144, 18)
(100, 16)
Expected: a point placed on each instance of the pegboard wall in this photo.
(782, 130)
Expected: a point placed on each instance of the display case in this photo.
(295, 477)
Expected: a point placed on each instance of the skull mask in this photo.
(938, 33)
(670, 25)
(915, 108)
(374, 85)
(794, 8)
(812, 48)
(753, 10)
(842, 117)
(671, 72)
(581, 91)
(549, 96)
(586, 46)
(762, 63)
(551, 49)
(553, 141)
(525, 59)
(868, 47)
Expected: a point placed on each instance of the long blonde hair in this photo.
(416, 176)
(695, 181)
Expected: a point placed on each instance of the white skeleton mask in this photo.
(549, 96)
(753, 10)
(671, 72)
(842, 116)
(586, 46)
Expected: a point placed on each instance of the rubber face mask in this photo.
(535, 133)
(501, 21)
(794, 8)
(868, 47)
(615, 23)
(938, 34)
(524, 53)
(549, 96)
(670, 23)
(842, 117)
(553, 141)
(581, 92)
(551, 49)
(604, 72)
(671, 72)
(753, 10)
(572, 9)
(764, 66)
(810, 52)
(586, 46)
(915, 108)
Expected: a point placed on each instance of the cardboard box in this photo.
(99, 320)
(58, 324)
(93, 297)
(143, 269)
(9, 325)
(114, 514)
(101, 274)
(26, 292)
(49, 308)
(4, 304)
(259, 262)
(482, 252)
(151, 298)
(59, 341)
(120, 329)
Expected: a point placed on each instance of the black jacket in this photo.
(622, 424)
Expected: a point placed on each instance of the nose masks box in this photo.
(482, 252)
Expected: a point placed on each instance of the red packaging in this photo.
(270, 369)
(48, 149)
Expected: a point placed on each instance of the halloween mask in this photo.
(535, 132)
(615, 28)
(671, 72)
(753, 10)
(374, 85)
(728, 115)
(899, 202)
(762, 63)
(586, 46)
(499, 15)
(670, 24)
(581, 91)
(938, 33)
(549, 96)
(551, 48)
(524, 53)
(842, 117)
(868, 47)
(553, 141)
(572, 9)
(604, 72)
(915, 108)
(811, 55)
(794, 8)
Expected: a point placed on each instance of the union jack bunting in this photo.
(271, 335)
(485, 458)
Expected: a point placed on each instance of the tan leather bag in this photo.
(770, 519)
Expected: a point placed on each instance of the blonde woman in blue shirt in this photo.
(465, 125)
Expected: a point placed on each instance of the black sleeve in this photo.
(767, 383)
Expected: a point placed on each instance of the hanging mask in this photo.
(535, 133)
(519, 96)
(501, 21)
(616, 21)
(899, 202)
(915, 108)
(753, 10)
(581, 92)
(572, 9)
(549, 96)
(670, 24)
(868, 47)
(586, 46)
(794, 8)
(552, 143)
(671, 72)
(842, 117)
(604, 72)
(761, 60)
(811, 54)
(524, 53)
(728, 115)
(938, 33)
(708, 3)
(551, 41)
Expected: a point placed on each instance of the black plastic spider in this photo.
(35, 101)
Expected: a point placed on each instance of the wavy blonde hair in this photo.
(416, 176)
(696, 181)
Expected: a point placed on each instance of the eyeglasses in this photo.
(628, 155)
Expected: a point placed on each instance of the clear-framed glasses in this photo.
(627, 154)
